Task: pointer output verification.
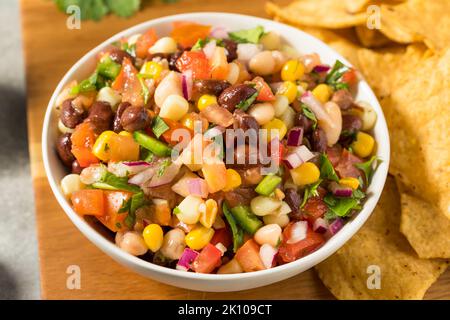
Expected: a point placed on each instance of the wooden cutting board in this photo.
(50, 49)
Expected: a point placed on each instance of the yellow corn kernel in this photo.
(322, 92)
(363, 145)
(125, 134)
(101, 147)
(208, 213)
(304, 85)
(151, 69)
(306, 173)
(275, 124)
(233, 180)
(292, 70)
(205, 101)
(199, 237)
(153, 236)
(289, 90)
(350, 182)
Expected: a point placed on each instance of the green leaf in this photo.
(111, 182)
(108, 68)
(145, 91)
(309, 114)
(124, 8)
(137, 200)
(130, 49)
(176, 210)
(334, 76)
(326, 168)
(89, 9)
(341, 207)
(245, 104)
(310, 191)
(199, 44)
(159, 126)
(369, 168)
(125, 206)
(248, 35)
(238, 234)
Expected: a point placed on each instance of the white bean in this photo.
(70, 184)
(173, 244)
(262, 112)
(174, 107)
(369, 116)
(280, 219)
(280, 104)
(170, 84)
(333, 130)
(164, 45)
(131, 242)
(262, 63)
(262, 205)
(189, 209)
(280, 59)
(270, 234)
(92, 174)
(270, 41)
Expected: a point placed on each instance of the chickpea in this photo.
(164, 45)
(92, 174)
(280, 219)
(262, 112)
(131, 242)
(173, 244)
(280, 59)
(270, 234)
(262, 63)
(271, 40)
(171, 84)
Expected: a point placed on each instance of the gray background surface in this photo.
(19, 267)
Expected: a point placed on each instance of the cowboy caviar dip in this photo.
(135, 134)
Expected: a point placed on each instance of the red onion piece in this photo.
(186, 259)
(298, 232)
(320, 225)
(142, 177)
(198, 187)
(298, 156)
(136, 163)
(316, 107)
(267, 254)
(167, 176)
(219, 32)
(186, 84)
(336, 225)
(340, 190)
(295, 137)
(321, 68)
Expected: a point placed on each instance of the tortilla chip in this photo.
(371, 38)
(413, 91)
(354, 6)
(418, 20)
(317, 13)
(379, 243)
(426, 228)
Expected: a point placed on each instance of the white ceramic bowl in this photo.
(212, 282)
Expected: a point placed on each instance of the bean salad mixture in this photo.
(148, 138)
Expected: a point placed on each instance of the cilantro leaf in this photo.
(326, 168)
(199, 44)
(369, 168)
(123, 8)
(248, 35)
(310, 191)
(111, 182)
(334, 76)
(89, 9)
(341, 206)
(145, 91)
(125, 206)
(245, 104)
(309, 114)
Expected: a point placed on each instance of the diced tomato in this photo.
(114, 201)
(208, 259)
(197, 62)
(288, 252)
(83, 139)
(334, 154)
(248, 256)
(315, 207)
(128, 84)
(350, 77)
(187, 33)
(265, 93)
(144, 43)
(222, 236)
(174, 125)
(88, 202)
(346, 165)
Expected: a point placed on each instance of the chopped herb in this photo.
(137, 200)
(309, 114)
(159, 126)
(106, 148)
(130, 49)
(86, 85)
(118, 225)
(145, 91)
(163, 166)
(199, 44)
(342, 207)
(245, 104)
(176, 210)
(126, 204)
(369, 168)
(111, 182)
(310, 191)
(334, 76)
(248, 35)
(326, 168)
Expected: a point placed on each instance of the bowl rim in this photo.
(330, 246)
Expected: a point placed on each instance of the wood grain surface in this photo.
(50, 49)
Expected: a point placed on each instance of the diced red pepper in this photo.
(89, 202)
(83, 138)
(265, 93)
(222, 236)
(208, 259)
(197, 62)
(187, 33)
(248, 256)
(114, 201)
(350, 77)
(144, 43)
(289, 252)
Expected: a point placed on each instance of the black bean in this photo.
(117, 55)
(294, 200)
(302, 121)
(100, 116)
(135, 118)
(233, 95)
(117, 126)
(76, 167)
(70, 115)
(64, 149)
(172, 59)
(231, 48)
(214, 87)
(319, 140)
(244, 121)
(343, 98)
